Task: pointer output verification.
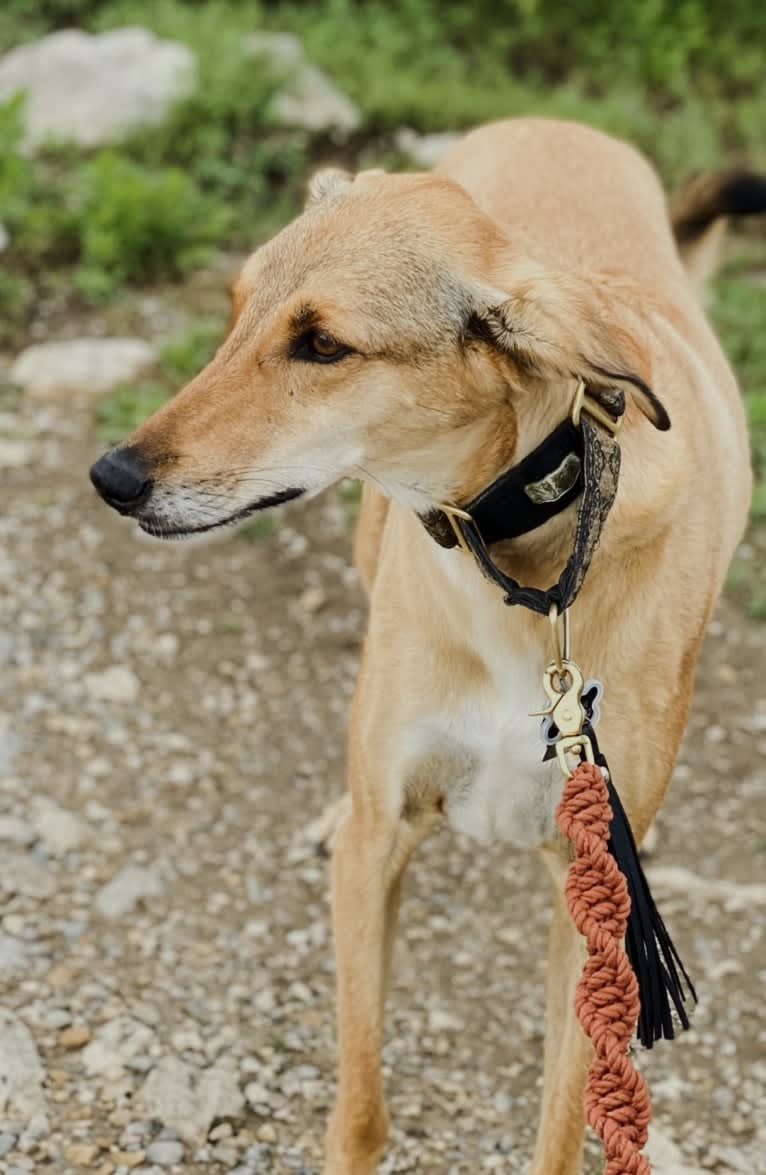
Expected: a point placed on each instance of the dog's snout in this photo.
(121, 476)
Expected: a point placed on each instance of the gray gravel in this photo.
(171, 722)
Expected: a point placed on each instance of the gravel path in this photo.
(171, 721)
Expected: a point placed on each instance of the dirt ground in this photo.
(171, 722)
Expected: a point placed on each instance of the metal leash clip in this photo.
(564, 686)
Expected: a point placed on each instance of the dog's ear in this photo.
(555, 325)
(326, 184)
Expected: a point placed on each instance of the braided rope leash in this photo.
(607, 1001)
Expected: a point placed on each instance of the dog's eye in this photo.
(320, 347)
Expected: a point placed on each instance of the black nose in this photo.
(121, 476)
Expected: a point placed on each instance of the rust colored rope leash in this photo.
(632, 978)
(607, 1003)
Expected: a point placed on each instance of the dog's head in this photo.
(391, 333)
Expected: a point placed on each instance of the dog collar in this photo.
(579, 459)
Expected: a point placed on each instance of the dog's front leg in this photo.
(567, 1050)
(369, 859)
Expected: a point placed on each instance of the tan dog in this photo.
(423, 333)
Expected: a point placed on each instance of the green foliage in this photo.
(260, 527)
(740, 314)
(182, 358)
(126, 407)
(141, 225)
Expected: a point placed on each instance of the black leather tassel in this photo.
(663, 983)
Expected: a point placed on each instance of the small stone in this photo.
(60, 831)
(128, 1158)
(266, 1133)
(13, 955)
(116, 684)
(113, 1045)
(17, 831)
(81, 1154)
(221, 1131)
(131, 885)
(313, 599)
(21, 1073)
(257, 1094)
(165, 1153)
(7, 1143)
(75, 1037)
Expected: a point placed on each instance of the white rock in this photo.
(9, 745)
(14, 454)
(59, 829)
(114, 1046)
(425, 150)
(96, 89)
(21, 1073)
(218, 1092)
(665, 1156)
(734, 895)
(18, 831)
(126, 889)
(308, 98)
(165, 1152)
(91, 366)
(116, 684)
(188, 1100)
(13, 955)
(5, 238)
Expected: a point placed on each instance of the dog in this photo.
(425, 333)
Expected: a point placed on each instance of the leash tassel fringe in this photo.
(652, 953)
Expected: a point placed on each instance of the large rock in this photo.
(49, 370)
(188, 1100)
(308, 98)
(132, 885)
(95, 89)
(21, 1073)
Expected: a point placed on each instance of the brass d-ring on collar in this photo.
(560, 634)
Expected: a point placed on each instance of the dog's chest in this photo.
(484, 759)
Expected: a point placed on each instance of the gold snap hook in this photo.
(561, 648)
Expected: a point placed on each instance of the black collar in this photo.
(579, 459)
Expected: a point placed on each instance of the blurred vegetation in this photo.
(683, 79)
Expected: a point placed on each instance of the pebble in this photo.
(21, 1071)
(133, 884)
(13, 956)
(165, 1153)
(128, 1159)
(81, 1154)
(75, 1037)
(116, 684)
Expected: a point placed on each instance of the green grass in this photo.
(123, 409)
(126, 407)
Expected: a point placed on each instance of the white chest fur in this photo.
(484, 756)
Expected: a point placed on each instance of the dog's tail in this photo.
(700, 210)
